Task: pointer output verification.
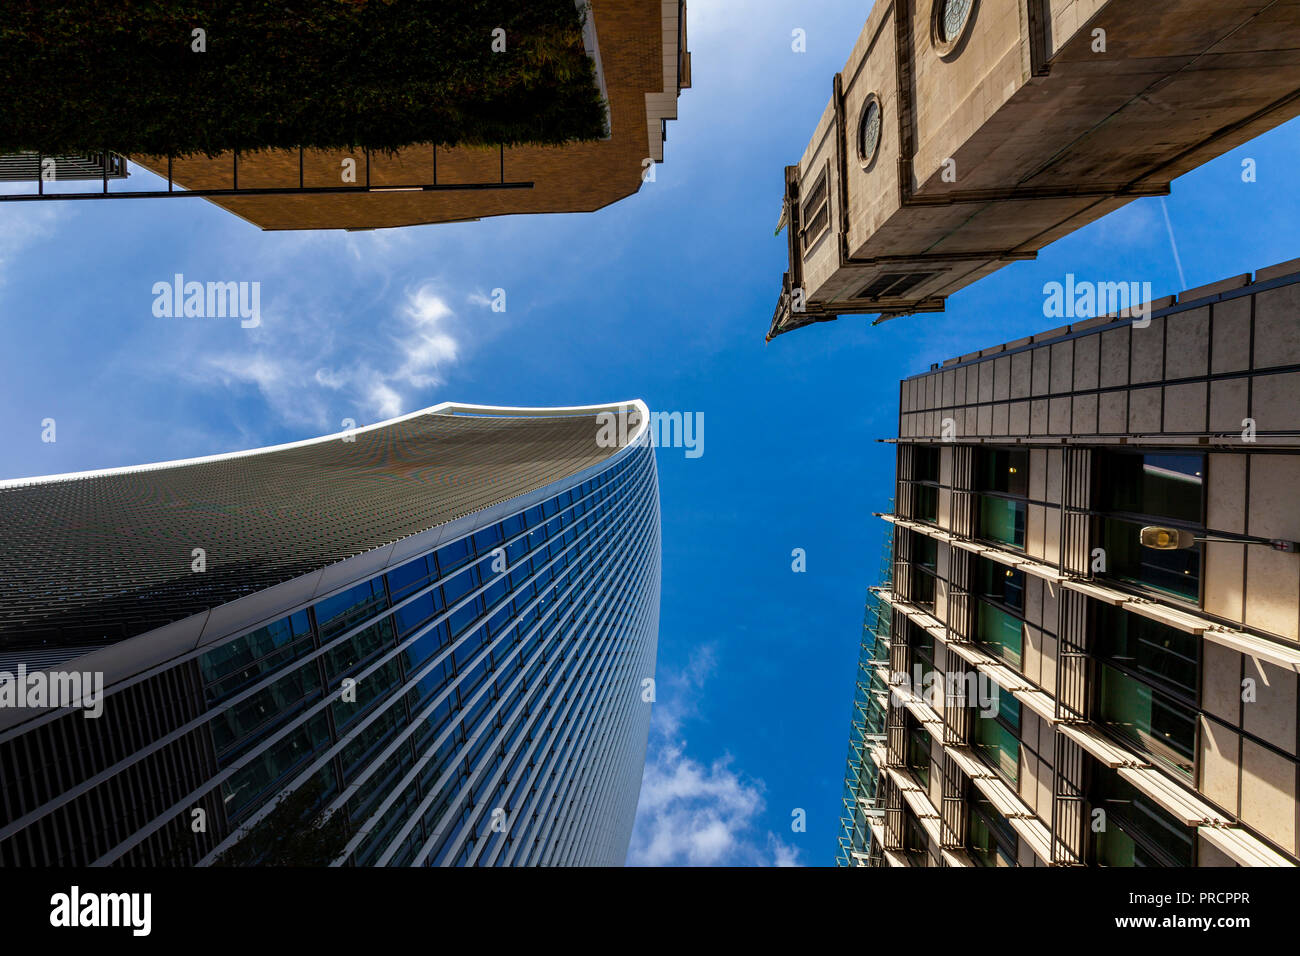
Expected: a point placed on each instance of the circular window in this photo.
(950, 22)
(869, 130)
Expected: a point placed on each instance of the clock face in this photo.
(870, 131)
(955, 13)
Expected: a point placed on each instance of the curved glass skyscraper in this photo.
(422, 642)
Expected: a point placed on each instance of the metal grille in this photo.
(1072, 658)
(1068, 805)
(1075, 495)
(962, 519)
(26, 167)
(99, 559)
(953, 811)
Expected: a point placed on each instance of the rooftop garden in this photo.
(83, 76)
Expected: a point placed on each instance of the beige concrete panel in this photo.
(1220, 764)
(1268, 792)
(1273, 591)
(1277, 327)
(1019, 419)
(1062, 378)
(1221, 682)
(1050, 598)
(1223, 580)
(1087, 358)
(1275, 402)
(1114, 357)
(1020, 369)
(1001, 419)
(1038, 417)
(1144, 411)
(1185, 408)
(1058, 416)
(1033, 599)
(1231, 338)
(1272, 715)
(1052, 536)
(1041, 377)
(1148, 352)
(1055, 464)
(1002, 378)
(1049, 664)
(986, 381)
(1084, 419)
(1035, 531)
(1187, 344)
(1226, 493)
(1031, 652)
(1228, 399)
(1112, 413)
(1038, 473)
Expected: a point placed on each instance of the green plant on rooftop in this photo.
(84, 76)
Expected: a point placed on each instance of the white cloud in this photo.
(690, 813)
(312, 367)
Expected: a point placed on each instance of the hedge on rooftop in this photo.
(87, 76)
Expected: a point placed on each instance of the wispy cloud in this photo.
(369, 371)
(693, 813)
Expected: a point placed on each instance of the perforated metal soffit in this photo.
(95, 560)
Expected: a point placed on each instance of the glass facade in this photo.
(480, 703)
(1002, 489)
(476, 672)
(1139, 490)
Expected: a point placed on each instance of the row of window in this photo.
(229, 669)
(1130, 491)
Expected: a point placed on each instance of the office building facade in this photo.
(639, 49)
(1091, 625)
(422, 642)
(963, 135)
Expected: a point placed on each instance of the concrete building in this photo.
(435, 630)
(962, 135)
(642, 64)
(1091, 626)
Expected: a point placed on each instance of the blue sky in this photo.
(665, 296)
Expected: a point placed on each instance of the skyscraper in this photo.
(432, 634)
(962, 136)
(1089, 630)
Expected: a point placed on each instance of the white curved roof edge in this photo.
(442, 408)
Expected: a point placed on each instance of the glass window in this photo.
(1155, 652)
(452, 556)
(918, 751)
(999, 632)
(992, 839)
(997, 738)
(1155, 723)
(1158, 486)
(1176, 572)
(409, 577)
(336, 614)
(1136, 491)
(1001, 520)
(245, 660)
(1002, 471)
(1135, 831)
